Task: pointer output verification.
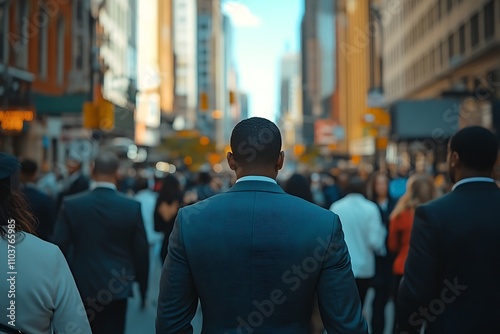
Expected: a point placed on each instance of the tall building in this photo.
(232, 110)
(166, 58)
(437, 50)
(184, 14)
(118, 53)
(44, 74)
(436, 46)
(244, 104)
(290, 99)
(212, 69)
(318, 63)
(148, 114)
(353, 80)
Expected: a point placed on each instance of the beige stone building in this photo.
(434, 46)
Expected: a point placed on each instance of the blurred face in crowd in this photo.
(381, 186)
(73, 166)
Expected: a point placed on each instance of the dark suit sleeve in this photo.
(140, 253)
(418, 286)
(62, 235)
(338, 297)
(178, 299)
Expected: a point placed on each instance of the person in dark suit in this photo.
(255, 256)
(105, 232)
(451, 275)
(42, 206)
(76, 182)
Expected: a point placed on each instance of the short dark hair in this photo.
(477, 148)
(106, 163)
(356, 186)
(28, 167)
(256, 141)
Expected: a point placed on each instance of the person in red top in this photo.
(420, 189)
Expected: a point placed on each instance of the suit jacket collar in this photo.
(257, 186)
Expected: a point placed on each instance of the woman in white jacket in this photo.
(40, 295)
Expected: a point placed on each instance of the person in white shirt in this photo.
(364, 232)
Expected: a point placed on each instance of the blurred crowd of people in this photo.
(101, 229)
(376, 211)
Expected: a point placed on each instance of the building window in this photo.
(461, 38)
(432, 58)
(474, 30)
(43, 50)
(60, 50)
(449, 6)
(79, 53)
(20, 44)
(442, 53)
(440, 9)
(79, 10)
(4, 26)
(489, 20)
(451, 47)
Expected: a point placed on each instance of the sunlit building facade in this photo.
(353, 54)
(185, 65)
(318, 63)
(291, 99)
(445, 55)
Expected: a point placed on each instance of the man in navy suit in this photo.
(255, 256)
(452, 272)
(103, 237)
(41, 204)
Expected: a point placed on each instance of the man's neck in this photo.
(256, 172)
(467, 174)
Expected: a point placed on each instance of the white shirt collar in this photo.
(472, 179)
(256, 178)
(108, 185)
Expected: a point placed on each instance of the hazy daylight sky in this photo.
(264, 30)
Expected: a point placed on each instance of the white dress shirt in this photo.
(364, 232)
(256, 178)
(108, 185)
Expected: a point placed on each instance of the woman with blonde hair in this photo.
(419, 190)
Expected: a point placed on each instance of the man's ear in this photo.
(281, 161)
(455, 159)
(230, 161)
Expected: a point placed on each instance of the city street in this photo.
(143, 321)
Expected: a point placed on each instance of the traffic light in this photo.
(99, 115)
(232, 98)
(204, 103)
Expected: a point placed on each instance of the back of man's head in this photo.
(477, 148)
(29, 167)
(106, 164)
(256, 142)
(356, 185)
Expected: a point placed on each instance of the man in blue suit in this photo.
(255, 256)
(102, 235)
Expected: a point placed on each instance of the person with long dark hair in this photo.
(41, 287)
(378, 192)
(167, 205)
